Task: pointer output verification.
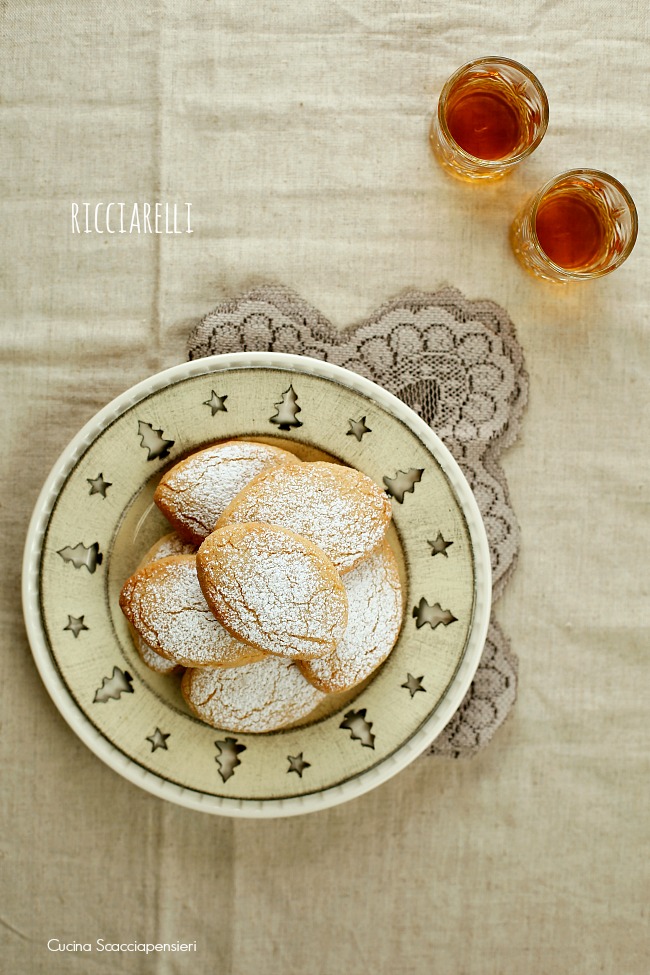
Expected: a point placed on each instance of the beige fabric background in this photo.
(298, 131)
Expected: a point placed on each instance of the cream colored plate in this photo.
(95, 519)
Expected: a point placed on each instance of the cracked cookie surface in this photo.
(375, 611)
(338, 508)
(170, 544)
(195, 492)
(164, 603)
(257, 697)
(273, 589)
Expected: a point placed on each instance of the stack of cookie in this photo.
(276, 587)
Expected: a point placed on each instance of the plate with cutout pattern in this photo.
(95, 519)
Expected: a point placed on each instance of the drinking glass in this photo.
(492, 113)
(580, 225)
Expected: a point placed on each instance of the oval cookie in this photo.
(273, 589)
(374, 619)
(170, 544)
(338, 508)
(258, 697)
(194, 493)
(164, 604)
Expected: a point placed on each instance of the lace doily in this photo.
(458, 364)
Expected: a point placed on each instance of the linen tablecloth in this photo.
(297, 131)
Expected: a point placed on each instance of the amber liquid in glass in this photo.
(484, 120)
(573, 229)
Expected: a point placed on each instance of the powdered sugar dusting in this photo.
(374, 619)
(171, 544)
(195, 492)
(256, 697)
(273, 589)
(164, 603)
(153, 660)
(340, 509)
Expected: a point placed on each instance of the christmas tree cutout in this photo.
(433, 615)
(287, 411)
(227, 759)
(153, 441)
(403, 483)
(355, 722)
(114, 686)
(82, 556)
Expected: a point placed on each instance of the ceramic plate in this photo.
(95, 519)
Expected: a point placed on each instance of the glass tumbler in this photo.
(492, 113)
(578, 226)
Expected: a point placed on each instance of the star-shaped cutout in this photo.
(297, 764)
(98, 485)
(158, 740)
(216, 403)
(414, 684)
(440, 546)
(75, 625)
(358, 428)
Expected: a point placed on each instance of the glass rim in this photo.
(497, 60)
(591, 173)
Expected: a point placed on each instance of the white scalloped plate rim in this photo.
(251, 808)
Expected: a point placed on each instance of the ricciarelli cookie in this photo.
(195, 492)
(374, 619)
(171, 544)
(338, 508)
(273, 589)
(257, 697)
(164, 604)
